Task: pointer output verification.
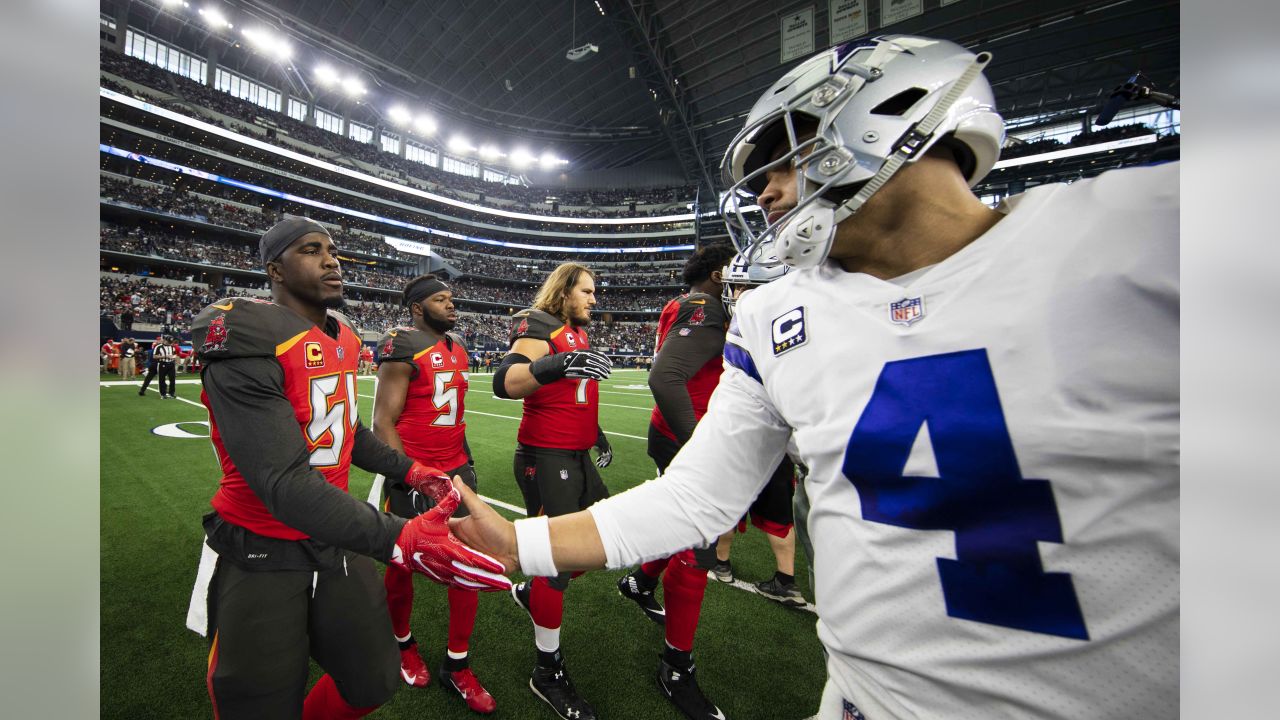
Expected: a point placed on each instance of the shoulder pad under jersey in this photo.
(701, 310)
(244, 327)
(532, 323)
(402, 344)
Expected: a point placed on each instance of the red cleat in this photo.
(468, 686)
(412, 670)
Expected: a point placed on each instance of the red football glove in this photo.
(426, 546)
(429, 481)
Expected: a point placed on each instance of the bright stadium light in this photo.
(399, 115)
(549, 161)
(424, 125)
(326, 75)
(214, 17)
(268, 43)
(489, 152)
(460, 145)
(522, 158)
(353, 86)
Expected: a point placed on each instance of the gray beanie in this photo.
(282, 234)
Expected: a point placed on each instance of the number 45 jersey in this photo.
(431, 425)
(994, 453)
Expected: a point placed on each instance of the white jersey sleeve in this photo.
(708, 486)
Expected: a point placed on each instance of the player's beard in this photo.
(334, 303)
(440, 326)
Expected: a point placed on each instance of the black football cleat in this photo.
(681, 688)
(632, 587)
(788, 594)
(556, 689)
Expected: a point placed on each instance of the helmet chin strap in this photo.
(806, 239)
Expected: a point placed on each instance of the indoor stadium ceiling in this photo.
(673, 79)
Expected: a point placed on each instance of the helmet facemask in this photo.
(875, 108)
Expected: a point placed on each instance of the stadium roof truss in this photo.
(672, 80)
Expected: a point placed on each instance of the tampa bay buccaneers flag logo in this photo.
(216, 338)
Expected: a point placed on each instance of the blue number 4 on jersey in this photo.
(997, 515)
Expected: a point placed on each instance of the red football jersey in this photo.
(681, 315)
(431, 425)
(319, 381)
(564, 414)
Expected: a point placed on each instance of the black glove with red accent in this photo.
(427, 546)
(578, 365)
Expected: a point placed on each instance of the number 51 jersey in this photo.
(431, 425)
(994, 455)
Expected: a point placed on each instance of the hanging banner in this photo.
(848, 20)
(409, 246)
(797, 34)
(895, 11)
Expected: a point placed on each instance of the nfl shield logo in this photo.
(906, 310)
(340, 352)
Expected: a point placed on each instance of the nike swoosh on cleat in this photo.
(407, 677)
(719, 715)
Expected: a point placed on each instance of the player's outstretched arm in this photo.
(709, 485)
(574, 542)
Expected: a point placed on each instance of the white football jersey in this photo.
(993, 454)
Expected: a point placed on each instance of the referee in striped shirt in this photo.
(163, 357)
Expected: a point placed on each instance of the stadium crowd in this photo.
(163, 197)
(126, 301)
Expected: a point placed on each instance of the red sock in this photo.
(654, 568)
(546, 604)
(399, 584)
(324, 703)
(682, 589)
(462, 618)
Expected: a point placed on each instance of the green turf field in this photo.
(756, 659)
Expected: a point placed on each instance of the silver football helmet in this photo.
(749, 270)
(876, 106)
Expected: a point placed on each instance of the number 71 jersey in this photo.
(431, 425)
(993, 447)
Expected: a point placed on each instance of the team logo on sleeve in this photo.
(523, 327)
(788, 331)
(906, 310)
(698, 317)
(389, 345)
(216, 338)
(437, 360)
(313, 354)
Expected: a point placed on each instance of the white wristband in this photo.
(533, 545)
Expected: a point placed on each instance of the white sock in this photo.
(457, 656)
(406, 638)
(547, 639)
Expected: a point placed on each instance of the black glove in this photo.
(604, 450)
(578, 365)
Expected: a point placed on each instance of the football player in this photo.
(553, 368)
(772, 510)
(686, 368)
(418, 410)
(987, 400)
(288, 572)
